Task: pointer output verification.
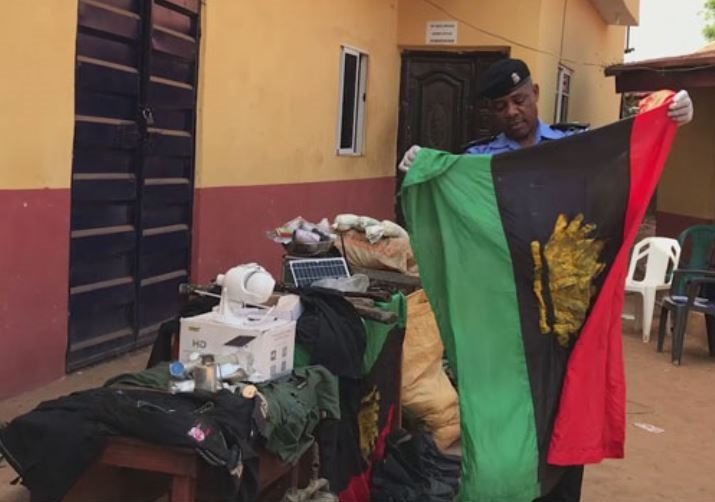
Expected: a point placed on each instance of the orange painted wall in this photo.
(542, 33)
(268, 91)
(37, 93)
(590, 45)
(267, 127)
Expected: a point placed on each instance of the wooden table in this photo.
(183, 465)
(396, 280)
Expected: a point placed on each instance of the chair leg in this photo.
(648, 308)
(681, 318)
(710, 324)
(662, 326)
(638, 314)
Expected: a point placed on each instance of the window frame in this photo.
(360, 99)
(562, 73)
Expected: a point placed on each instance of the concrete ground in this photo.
(86, 379)
(679, 463)
(675, 465)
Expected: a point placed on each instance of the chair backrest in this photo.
(698, 243)
(699, 240)
(660, 255)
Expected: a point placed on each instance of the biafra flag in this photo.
(523, 256)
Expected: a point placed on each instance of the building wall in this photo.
(686, 193)
(36, 128)
(477, 19)
(589, 46)
(543, 33)
(266, 134)
(266, 148)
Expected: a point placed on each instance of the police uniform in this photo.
(501, 143)
(502, 78)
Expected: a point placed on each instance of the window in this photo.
(351, 107)
(563, 93)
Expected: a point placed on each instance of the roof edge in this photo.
(702, 59)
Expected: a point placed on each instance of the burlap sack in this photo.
(426, 390)
(393, 254)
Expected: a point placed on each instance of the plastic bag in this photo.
(357, 283)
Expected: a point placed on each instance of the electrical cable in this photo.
(516, 43)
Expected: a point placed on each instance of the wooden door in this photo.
(132, 172)
(439, 107)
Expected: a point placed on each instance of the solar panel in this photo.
(306, 272)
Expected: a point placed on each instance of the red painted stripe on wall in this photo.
(230, 222)
(34, 261)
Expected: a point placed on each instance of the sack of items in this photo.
(368, 243)
(426, 390)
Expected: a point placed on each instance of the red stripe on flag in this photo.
(590, 424)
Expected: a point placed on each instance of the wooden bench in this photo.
(183, 465)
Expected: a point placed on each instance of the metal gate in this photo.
(132, 172)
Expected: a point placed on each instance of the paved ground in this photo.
(92, 377)
(675, 465)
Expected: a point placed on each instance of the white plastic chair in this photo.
(661, 257)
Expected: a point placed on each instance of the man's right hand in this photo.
(409, 158)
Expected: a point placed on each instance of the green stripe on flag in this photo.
(451, 211)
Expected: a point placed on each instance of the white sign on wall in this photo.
(441, 32)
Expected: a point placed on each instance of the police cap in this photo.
(503, 77)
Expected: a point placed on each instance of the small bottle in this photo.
(177, 370)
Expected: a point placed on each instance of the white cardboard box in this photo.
(286, 306)
(271, 342)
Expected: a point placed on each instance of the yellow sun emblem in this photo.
(368, 417)
(565, 269)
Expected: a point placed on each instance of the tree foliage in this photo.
(709, 15)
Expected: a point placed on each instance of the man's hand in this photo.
(409, 158)
(681, 109)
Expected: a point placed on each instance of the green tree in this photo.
(709, 15)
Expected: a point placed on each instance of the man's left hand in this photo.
(681, 109)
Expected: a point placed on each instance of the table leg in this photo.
(183, 489)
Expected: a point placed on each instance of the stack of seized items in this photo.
(225, 398)
(303, 238)
(282, 369)
(428, 397)
(364, 242)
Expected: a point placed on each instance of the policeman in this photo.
(513, 99)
